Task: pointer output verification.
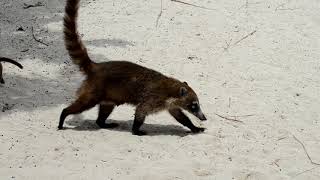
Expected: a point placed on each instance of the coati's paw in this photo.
(60, 128)
(198, 130)
(138, 132)
(1, 81)
(107, 125)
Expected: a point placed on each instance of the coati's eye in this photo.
(194, 107)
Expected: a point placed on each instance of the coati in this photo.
(3, 59)
(113, 83)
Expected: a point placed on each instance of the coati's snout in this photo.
(190, 102)
(194, 108)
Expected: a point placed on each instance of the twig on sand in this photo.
(287, 9)
(245, 37)
(305, 150)
(228, 45)
(230, 119)
(182, 2)
(281, 7)
(26, 6)
(275, 162)
(159, 15)
(34, 37)
(246, 5)
(242, 116)
(306, 171)
(279, 139)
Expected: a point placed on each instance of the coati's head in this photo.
(188, 100)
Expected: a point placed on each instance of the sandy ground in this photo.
(255, 61)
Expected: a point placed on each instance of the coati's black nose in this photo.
(203, 118)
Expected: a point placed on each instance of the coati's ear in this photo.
(185, 83)
(183, 91)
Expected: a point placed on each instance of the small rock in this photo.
(20, 29)
(191, 57)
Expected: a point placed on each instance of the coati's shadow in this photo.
(126, 125)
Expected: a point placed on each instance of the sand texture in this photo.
(256, 62)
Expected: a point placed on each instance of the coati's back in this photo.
(126, 82)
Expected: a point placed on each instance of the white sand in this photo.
(273, 75)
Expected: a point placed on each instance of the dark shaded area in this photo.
(25, 93)
(28, 33)
(18, 41)
(126, 125)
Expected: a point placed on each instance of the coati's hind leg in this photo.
(104, 112)
(83, 103)
(184, 120)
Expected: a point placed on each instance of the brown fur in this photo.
(3, 59)
(113, 83)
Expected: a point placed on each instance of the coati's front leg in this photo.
(104, 112)
(139, 117)
(184, 120)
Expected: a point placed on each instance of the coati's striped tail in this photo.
(11, 61)
(72, 40)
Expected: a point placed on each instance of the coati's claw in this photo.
(139, 133)
(198, 130)
(108, 125)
